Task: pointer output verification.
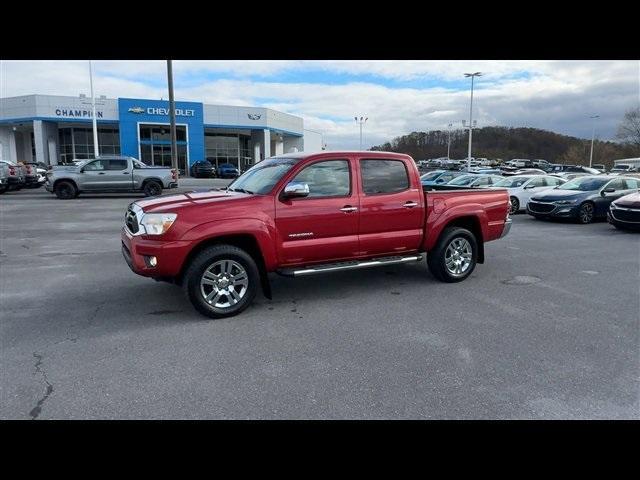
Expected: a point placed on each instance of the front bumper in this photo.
(137, 251)
(558, 211)
(630, 225)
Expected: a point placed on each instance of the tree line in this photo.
(506, 143)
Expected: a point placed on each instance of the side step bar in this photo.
(350, 265)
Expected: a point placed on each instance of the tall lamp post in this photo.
(593, 134)
(172, 121)
(96, 150)
(361, 122)
(449, 141)
(472, 75)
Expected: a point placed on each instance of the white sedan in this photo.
(522, 187)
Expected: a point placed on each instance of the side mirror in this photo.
(529, 186)
(82, 170)
(608, 190)
(439, 180)
(295, 190)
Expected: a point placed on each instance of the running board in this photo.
(350, 265)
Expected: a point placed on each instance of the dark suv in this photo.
(227, 170)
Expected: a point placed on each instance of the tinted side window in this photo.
(631, 183)
(116, 165)
(383, 176)
(537, 182)
(326, 179)
(93, 166)
(618, 184)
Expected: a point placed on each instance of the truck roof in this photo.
(333, 153)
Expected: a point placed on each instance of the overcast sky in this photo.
(398, 96)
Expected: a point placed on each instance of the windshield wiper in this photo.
(241, 190)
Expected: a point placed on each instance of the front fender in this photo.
(263, 233)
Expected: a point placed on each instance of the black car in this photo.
(203, 168)
(583, 198)
(624, 213)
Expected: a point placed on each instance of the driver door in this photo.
(93, 175)
(322, 226)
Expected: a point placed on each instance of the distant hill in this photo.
(507, 143)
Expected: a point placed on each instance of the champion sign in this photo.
(162, 111)
(69, 112)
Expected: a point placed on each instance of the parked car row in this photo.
(580, 196)
(205, 169)
(15, 176)
(584, 199)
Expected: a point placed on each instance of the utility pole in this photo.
(472, 75)
(172, 119)
(449, 141)
(361, 122)
(593, 134)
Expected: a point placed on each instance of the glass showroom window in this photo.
(77, 143)
(228, 148)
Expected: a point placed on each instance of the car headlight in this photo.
(157, 223)
(613, 206)
(565, 202)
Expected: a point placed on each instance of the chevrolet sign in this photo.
(162, 111)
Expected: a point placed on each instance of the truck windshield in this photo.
(262, 177)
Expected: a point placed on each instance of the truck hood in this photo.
(172, 203)
(64, 168)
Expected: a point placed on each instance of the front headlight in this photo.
(613, 206)
(565, 202)
(157, 223)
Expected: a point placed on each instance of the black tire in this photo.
(202, 263)
(65, 190)
(514, 205)
(152, 189)
(586, 213)
(437, 258)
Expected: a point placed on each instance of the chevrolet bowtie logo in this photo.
(136, 110)
(254, 116)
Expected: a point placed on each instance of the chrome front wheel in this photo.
(224, 283)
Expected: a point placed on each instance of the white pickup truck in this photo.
(111, 174)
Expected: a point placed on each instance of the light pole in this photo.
(172, 121)
(593, 134)
(472, 75)
(361, 122)
(449, 140)
(96, 150)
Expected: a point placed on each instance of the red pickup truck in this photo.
(302, 214)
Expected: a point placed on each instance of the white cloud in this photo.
(555, 95)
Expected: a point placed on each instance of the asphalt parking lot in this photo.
(548, 327)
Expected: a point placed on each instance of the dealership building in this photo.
(56, 129)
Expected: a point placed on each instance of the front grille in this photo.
(541, 207)
(131, 221)
(626, 215)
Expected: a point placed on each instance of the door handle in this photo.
(100, 173)
(348, 209)
(410, 205)
(125, 173)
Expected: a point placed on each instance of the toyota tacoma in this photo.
(303, 214)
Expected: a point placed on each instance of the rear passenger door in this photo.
(391, 211)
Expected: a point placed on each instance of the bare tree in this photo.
(629, 128)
